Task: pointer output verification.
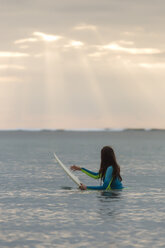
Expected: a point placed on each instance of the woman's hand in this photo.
(82, 187)
(75, 167)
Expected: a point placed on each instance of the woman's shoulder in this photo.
(110, 169)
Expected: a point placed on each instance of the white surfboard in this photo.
(68, 172)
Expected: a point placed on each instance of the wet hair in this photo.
(108, 158)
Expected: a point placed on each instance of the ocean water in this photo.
(41, 207)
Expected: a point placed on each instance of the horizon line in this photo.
(80, 129)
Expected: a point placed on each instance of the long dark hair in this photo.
(108, 158)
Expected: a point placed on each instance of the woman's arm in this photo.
(92, 174)
(107, 181)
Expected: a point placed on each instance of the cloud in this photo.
(75, 44)
(15, 67)
(13, 54)
(85, 27)
(24, 46)
(95, 51)
(96, 54)
(117, 48)
(47, 37)
(66, 43)
(25, 40)
(126, 42)
(12, 79)
(153, 65)
(128, 33)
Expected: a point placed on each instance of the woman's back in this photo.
(116, 184)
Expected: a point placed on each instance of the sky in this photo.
(74, 64)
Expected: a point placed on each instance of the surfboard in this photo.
(67, 171)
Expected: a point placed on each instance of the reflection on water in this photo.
(109, 202)
(66, 188)
(111, 194)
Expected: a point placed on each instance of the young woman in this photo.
(109, 172)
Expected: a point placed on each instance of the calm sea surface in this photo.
(41, 207)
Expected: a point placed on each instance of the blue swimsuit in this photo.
(108, 181)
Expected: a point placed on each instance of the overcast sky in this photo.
(82, 64)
